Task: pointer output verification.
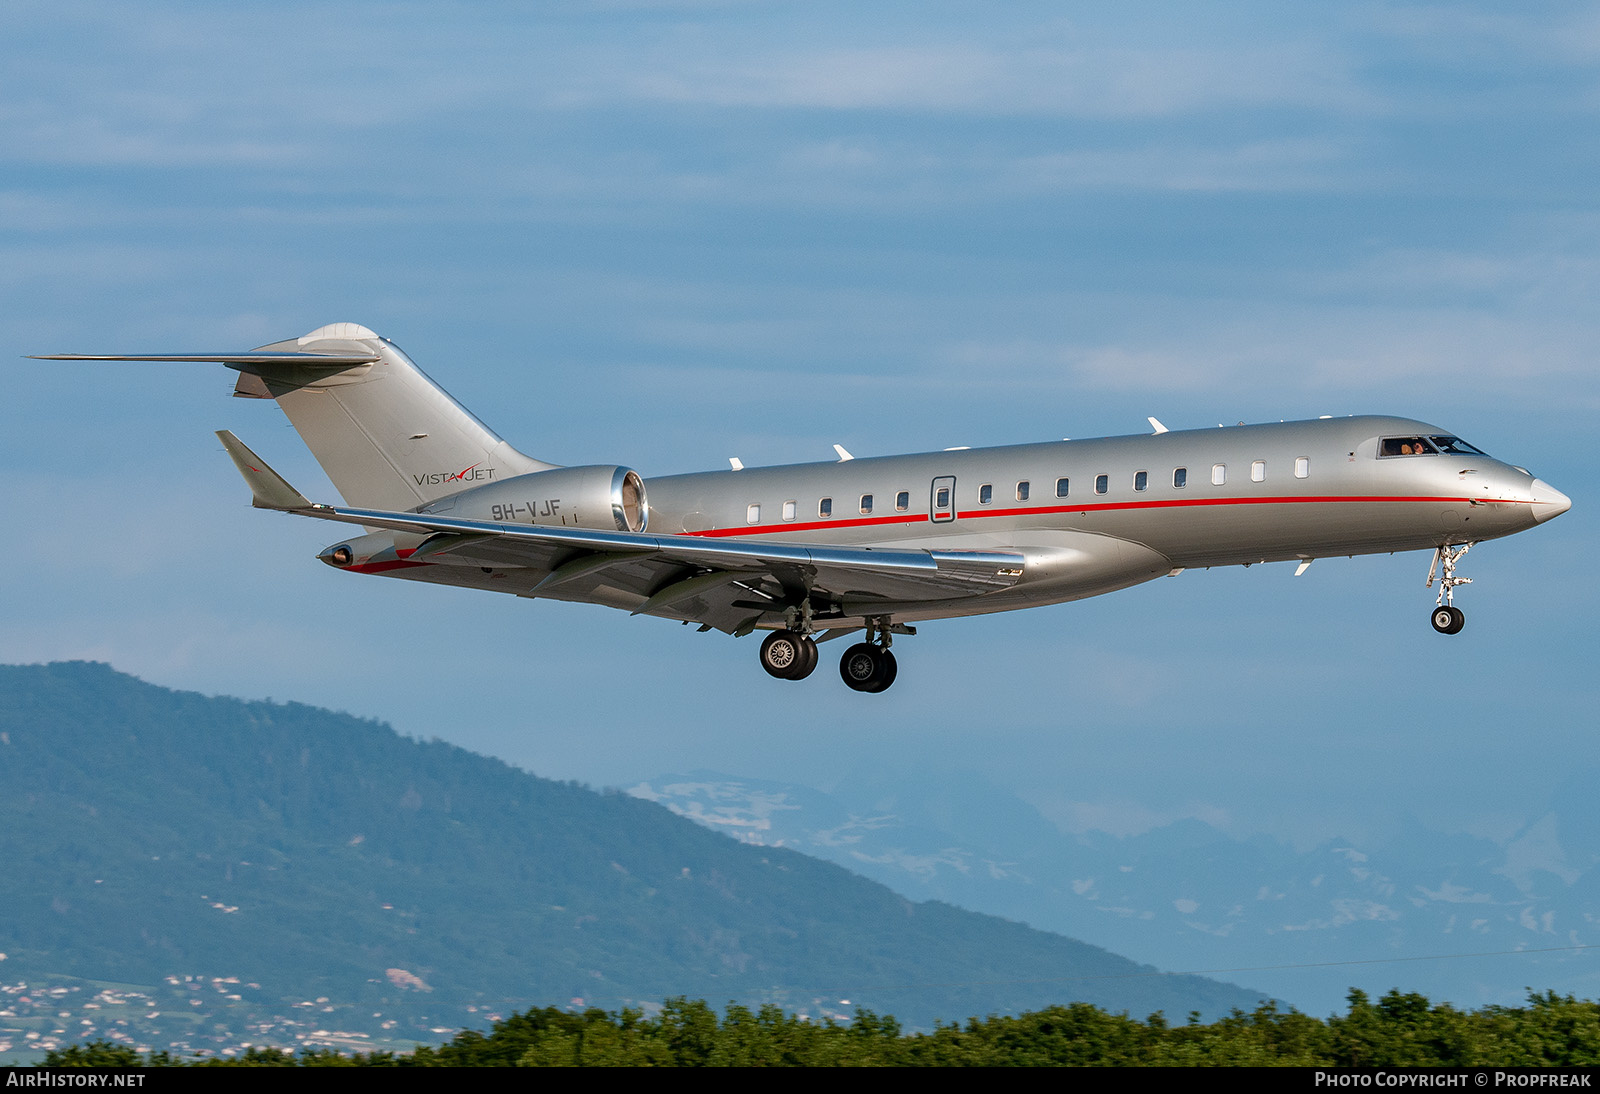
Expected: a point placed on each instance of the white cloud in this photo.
(1530, 34)
(1451, 893)
(1345, 912)
(1121, 817)
(1265, 165)
(1087, 76)
(1335, 356)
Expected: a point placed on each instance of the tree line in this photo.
(1400, 1029)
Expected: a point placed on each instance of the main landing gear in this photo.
(789, 655)
(869, 666)
(866, 666)
(1447, 618)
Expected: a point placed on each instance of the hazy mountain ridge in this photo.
(1189, 896)
(151, 833)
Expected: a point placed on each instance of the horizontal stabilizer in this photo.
(387, 435)
(306, 360)
(267, 488)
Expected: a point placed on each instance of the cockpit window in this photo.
(1405, 446)
(1455, 446)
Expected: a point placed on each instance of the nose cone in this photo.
(1548, 501)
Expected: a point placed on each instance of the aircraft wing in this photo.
(732, 586)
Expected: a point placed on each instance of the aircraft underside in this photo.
(795, 617)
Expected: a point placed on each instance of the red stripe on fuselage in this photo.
(1033, 511)
(1048, 510)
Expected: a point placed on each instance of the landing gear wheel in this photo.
(808, 662)
(867, 668)
(859, 666)
(890, 670)
(1449, 619)
(783, 654)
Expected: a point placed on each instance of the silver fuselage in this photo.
(1249, 494)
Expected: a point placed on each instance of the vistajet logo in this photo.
(475, 473)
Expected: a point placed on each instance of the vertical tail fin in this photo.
(387, 435)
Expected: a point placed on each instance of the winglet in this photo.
(267, 488)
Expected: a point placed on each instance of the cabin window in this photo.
(1102, 483)
(941, 500)
(1302, 467)
(1180, 477)
(866, 503)
(1141, 479)
(1022, 491)
(1219, 474)
(825, 507)
(902, 501)
(985, 494)
(1061, 488)
(752, 514)
(1258, 471)
(789, 510)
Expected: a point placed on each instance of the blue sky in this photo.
(662, 234)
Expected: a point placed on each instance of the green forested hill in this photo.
(147, 833)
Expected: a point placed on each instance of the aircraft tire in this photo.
(1449, 620)
(783, 653)
(864, 667)
(808, 662)
(891, 669)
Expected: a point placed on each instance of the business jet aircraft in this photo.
(812, 552)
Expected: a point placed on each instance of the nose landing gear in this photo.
(1447, 618)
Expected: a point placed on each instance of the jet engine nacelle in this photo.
(610, 499)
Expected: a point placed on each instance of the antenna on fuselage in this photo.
(736, 463)
(1157, 426)
(844, 457)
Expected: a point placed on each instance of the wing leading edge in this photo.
(732, 586)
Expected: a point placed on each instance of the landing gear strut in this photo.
(1447, 618)
(868, 667)
(791, 654)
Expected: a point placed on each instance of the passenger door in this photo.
(942, 499)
